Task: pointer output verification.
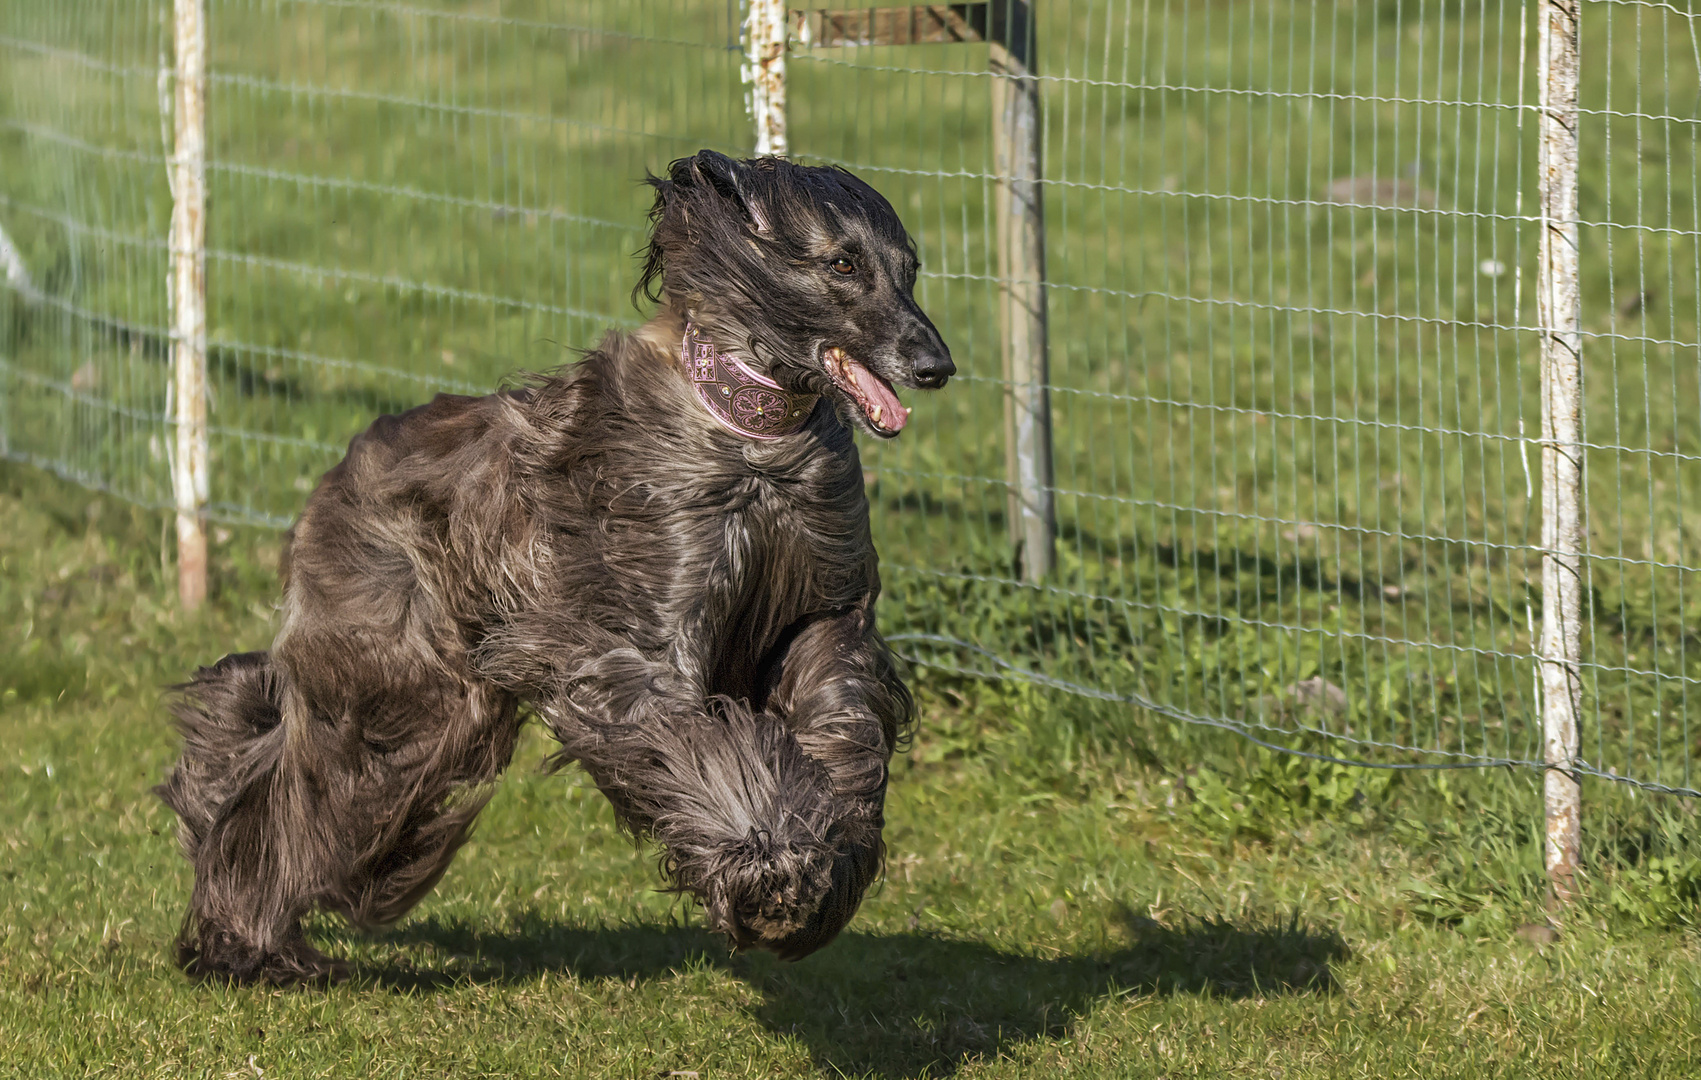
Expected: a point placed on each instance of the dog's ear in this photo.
(730, 180)
(706, 174)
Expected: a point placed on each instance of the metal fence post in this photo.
(1559, 314)
(765, 73)
(1017, 144)
(189, 301)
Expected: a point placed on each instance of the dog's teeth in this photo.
(875, 415)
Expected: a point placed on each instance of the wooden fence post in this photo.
(1559, 314)
(1007, 26)
(765, 73)
(1017, 143)
(189, 301)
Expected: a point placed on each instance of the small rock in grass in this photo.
(1059, 910)
(1537, 933)
(1381, 192)
(1319, 694)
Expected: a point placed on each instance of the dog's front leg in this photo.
(836, 689)
(742, 813)
(835, 684)
(772, 819)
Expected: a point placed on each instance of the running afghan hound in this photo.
(662, 550)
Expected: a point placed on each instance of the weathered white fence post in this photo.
(765, 73)
(1559, 314)
(1017, 144)
(189, 301)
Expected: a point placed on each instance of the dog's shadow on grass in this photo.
(898, 1005)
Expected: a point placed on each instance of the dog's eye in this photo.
(842, 265)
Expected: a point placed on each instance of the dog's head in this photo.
(805, 272)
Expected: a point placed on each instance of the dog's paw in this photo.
(789, 901)
(759, 893)
(220, 956)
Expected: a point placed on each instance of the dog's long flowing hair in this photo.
(691, 612)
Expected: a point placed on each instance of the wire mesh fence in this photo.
(403, 199)
(1642, 289)
(1291, 415)
(1293, 342)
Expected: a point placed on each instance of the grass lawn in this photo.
(1071, 891)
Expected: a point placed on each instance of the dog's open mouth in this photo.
(873, 395)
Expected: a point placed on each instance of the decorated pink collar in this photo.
(748, 403)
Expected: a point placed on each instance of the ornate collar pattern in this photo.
(743, 400)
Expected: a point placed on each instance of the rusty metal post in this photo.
(1017, 143)
(765, 73)
(1559, 314)
(189, 301)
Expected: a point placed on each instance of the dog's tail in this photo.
(230, 716)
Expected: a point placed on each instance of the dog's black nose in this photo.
(931, 366)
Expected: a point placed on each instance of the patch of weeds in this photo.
(1470, 903)
(952, 714)
(1485, 848)
(34, 673)
(1275, 788)
(1033, 732)
(1654, 867)
(1662, 892)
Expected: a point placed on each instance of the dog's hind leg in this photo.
(228, 789)
(438, 784)
(357, 806)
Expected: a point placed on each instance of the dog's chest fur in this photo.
(698, 545)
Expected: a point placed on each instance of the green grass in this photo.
(1072, 890)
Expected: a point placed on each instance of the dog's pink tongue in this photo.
(878, 400)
